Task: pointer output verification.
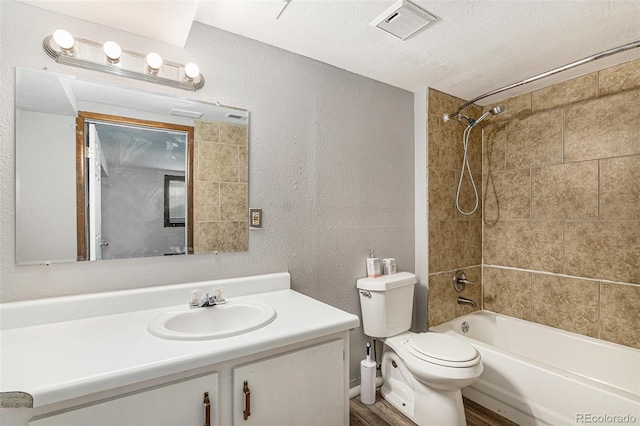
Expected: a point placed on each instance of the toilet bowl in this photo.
(427, 387)
(423, 373)
(437, 360)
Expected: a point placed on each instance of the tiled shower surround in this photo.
(220, 192)
(455, 240)
(561, 229)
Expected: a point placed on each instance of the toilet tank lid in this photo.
(387, 282)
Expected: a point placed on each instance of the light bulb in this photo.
(154, 62)
(64, 40)
(191, 70)
(112, 51)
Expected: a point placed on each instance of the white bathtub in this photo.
(534, 374)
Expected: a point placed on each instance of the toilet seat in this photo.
(442, 350)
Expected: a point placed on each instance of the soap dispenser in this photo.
(373, 266)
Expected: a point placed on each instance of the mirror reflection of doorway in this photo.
(121, 187)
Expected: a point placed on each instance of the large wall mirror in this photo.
(104, 172)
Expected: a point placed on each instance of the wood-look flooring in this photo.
(381, 413)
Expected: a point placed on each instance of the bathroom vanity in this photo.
(91, 359)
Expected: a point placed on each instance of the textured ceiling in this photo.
(165, 20)
(475, 47)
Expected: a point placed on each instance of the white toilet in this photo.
(423, 373)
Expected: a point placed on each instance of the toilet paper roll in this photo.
(367, 382)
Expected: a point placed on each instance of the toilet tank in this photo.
(386, 303)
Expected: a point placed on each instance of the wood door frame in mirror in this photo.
(81, 171)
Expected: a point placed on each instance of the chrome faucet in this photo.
(198, 301)
(465, 301)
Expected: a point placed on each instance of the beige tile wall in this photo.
(561, 238)
(455, 240)
(442, 296)
(220, 187)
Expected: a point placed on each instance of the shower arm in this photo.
(582, 61)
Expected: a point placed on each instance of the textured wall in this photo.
(455, 240)
(562, 206)
(330, 162)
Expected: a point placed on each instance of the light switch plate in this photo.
(255, 218)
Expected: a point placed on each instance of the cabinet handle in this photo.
(207, 410)
(247, 400)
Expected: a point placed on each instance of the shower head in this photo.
(493, 111)
(497, 110)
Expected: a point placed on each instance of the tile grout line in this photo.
(564, 250)
(562, 131)
(505, 259)
(482, 218)
(564, 253)
(599, 319)
(531, 194)
(531, 295)
(555, 274)
(598, 194)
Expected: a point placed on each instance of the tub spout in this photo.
(465, 301)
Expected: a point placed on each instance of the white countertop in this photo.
(57, 361)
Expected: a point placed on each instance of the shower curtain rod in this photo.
(582, 61)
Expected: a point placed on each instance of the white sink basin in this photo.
(213, 322)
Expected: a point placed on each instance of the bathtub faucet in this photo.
(465, 301)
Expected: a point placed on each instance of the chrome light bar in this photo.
(151, 68)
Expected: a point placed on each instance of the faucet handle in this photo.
(218, 296)
(194, 298)
(460, 281)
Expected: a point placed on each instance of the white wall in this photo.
(331, 164)
(46, 162)
(133, 214)
(421, 159)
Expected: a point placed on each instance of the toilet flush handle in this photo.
(366, 293)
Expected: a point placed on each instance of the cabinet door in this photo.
(305, 387)
(176, 404)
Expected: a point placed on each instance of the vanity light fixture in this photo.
(154, 63)
(112, 51)
(191, 71)
(63, 48)
(65, 41)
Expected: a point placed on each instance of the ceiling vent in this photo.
(185, 113)
(403, 19)
(235, 116)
